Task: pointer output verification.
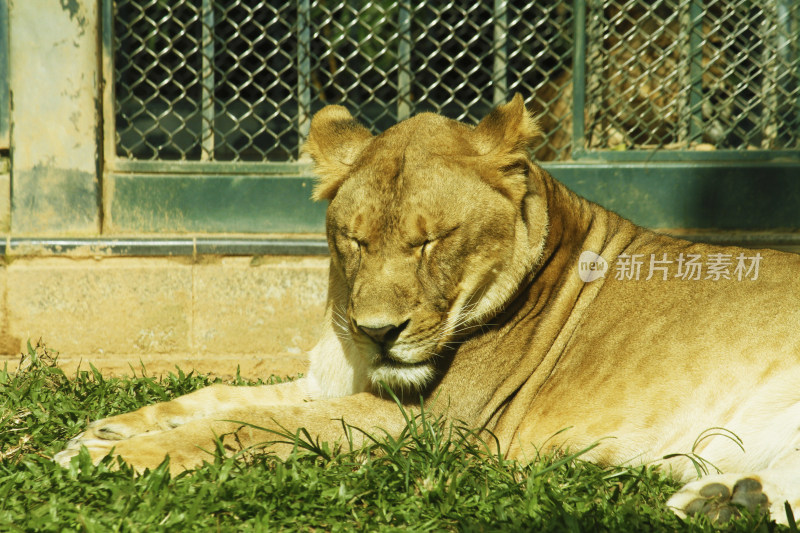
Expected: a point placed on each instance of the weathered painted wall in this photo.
(53, 69)
(5, 123)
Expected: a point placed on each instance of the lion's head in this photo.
(432, 227)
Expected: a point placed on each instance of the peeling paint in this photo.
(73, 7)
(75, 118)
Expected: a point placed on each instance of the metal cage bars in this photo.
(161, 111)
(778, 90)
(494, 54)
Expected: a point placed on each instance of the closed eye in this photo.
(424, 249)
(425, 246)
(354, 243)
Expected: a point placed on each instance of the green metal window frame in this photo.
(674, 190)
(202, 196)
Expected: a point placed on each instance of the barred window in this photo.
(238, 80)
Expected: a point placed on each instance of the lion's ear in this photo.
(334, 142)
(502, 138)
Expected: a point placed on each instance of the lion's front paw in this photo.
(142, 452)
(101, 436)
(97, 448)
(722, 497)
(187, 446)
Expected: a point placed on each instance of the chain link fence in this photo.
(674, 74)
(238, 80)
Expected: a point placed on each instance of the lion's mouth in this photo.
(386, 358)
(398, 374)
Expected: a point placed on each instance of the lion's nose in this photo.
(383, 334)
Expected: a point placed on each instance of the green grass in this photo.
(431, 478)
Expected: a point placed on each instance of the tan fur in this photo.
(454, 272)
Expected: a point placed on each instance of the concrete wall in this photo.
(210, 314)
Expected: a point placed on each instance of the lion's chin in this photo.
(401, 377)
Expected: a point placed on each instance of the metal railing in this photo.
(238, 80)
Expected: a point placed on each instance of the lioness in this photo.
(463, 271)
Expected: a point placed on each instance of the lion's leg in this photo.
(191, 443)
(327, 360)
(200, 404)
(188, 445)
